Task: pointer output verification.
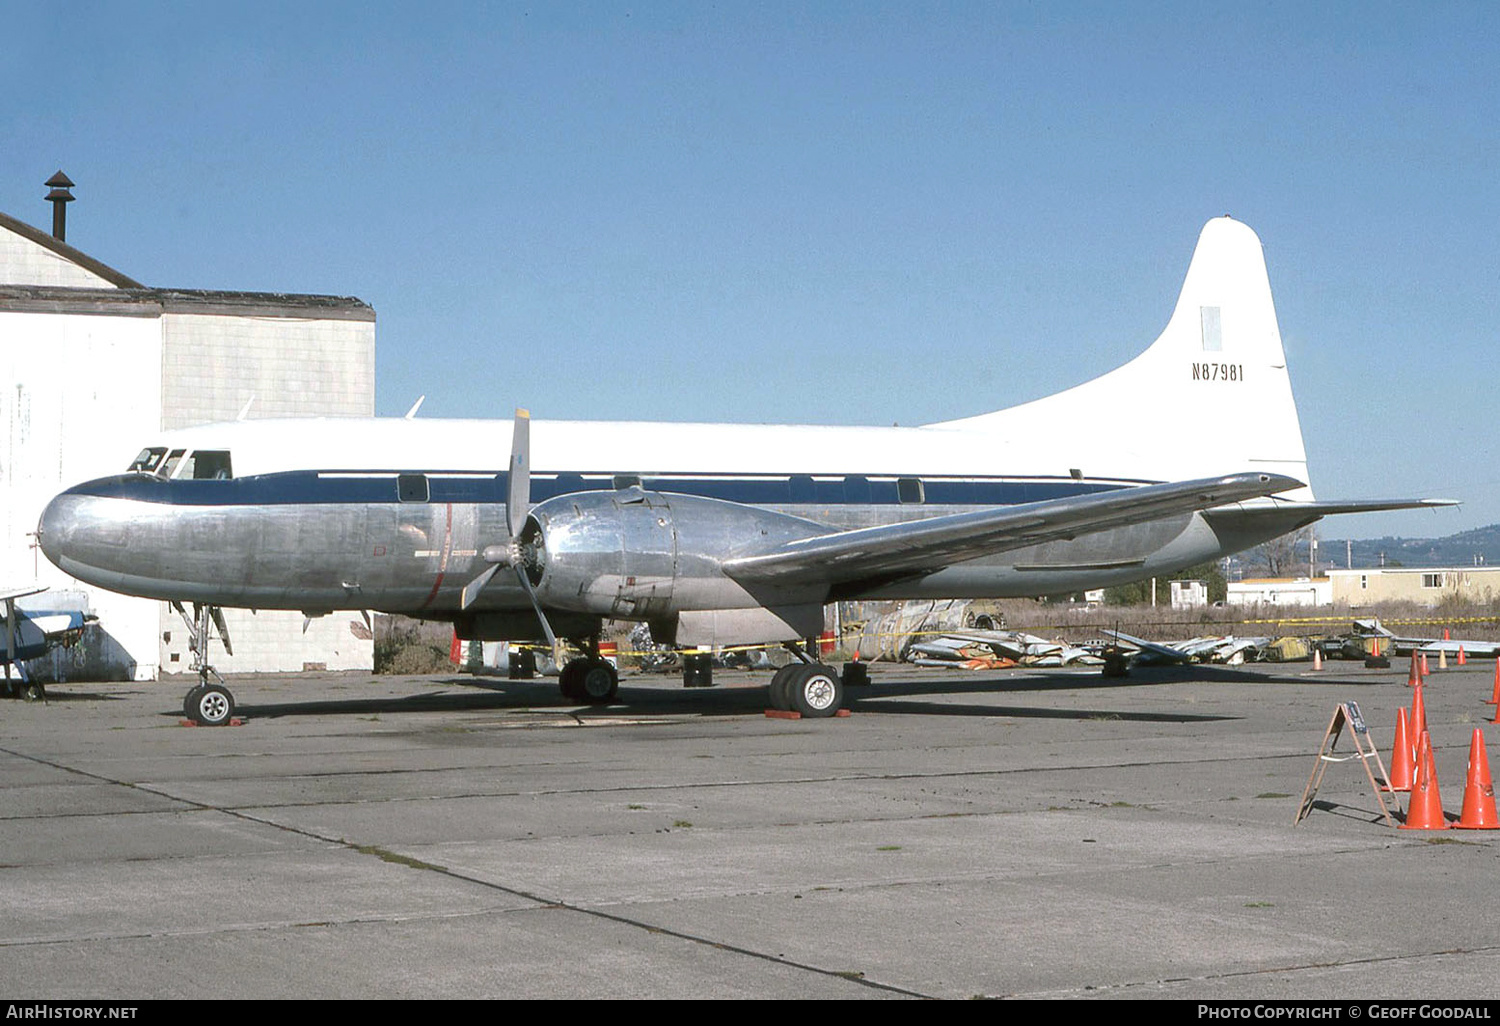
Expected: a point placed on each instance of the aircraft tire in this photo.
(598, 683)
(567, 679)
(815, 691)
(781, 699)
(190, 700)
(213, 706)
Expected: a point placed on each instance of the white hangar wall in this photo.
(93, 366)
(287, 356)
(76, 386)
(293, 357)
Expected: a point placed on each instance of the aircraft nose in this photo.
(58, 524)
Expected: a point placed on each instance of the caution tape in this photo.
(853, 633)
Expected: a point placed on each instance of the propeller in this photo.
(517, 506)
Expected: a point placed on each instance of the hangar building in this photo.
(93, 364)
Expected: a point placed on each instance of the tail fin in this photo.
(1211, 395)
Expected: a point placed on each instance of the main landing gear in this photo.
(806, 687)
(209, 704)
(591, 679)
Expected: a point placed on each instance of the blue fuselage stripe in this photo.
(305, 487)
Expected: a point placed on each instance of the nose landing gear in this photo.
(208, 703)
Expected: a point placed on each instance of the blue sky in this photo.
(824, 213)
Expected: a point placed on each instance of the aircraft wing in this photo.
(21, 592)
(1169, 652)
(923, 546)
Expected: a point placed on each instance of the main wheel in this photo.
(568, 680)
(212, 706)
(598, 683)
(777, 689)
(190, 702)
(815, 691)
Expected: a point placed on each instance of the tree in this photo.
(1286, 556)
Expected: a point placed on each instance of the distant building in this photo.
(94, 364)
(1425, 586)
(1280, 591)
(1189, 594)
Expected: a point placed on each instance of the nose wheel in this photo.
(209, 705)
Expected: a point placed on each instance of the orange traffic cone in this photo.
(1401, 756)
(1424, 664)
(1418, 712)
(1479, 792)
(1494, 699)
(1462, 660)
(1445, 634)
(1442, 659)
(1426, 809)
(1317, 658)
(1413, 675)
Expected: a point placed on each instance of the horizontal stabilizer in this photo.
(1344, 506)
(1324, 509)
(927, 545)
(1280, 516)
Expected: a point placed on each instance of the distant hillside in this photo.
(1463, 549)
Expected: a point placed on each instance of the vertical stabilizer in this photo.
(1211, 395)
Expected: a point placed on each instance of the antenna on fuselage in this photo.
(245, 410)
(411, 413)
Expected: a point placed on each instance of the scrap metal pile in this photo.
(949, 634)
(952, 634)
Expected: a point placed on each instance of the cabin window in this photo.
(206, 465)
(857, 489)
(627, 481)
(801, 490)
(411, 487)
(148, 460)
(909, 490)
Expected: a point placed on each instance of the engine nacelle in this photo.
(639, 555)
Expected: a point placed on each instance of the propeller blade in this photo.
(537, 605)
(518, 501)
(473, 588)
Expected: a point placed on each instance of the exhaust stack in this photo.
(60, 197)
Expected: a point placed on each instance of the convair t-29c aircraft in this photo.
(719, 534)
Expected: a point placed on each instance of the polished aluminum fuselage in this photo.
(271, 544)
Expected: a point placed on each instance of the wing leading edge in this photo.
(927, 545)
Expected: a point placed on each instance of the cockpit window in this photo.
(206, 465)
(169, 468)
(148, 460)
